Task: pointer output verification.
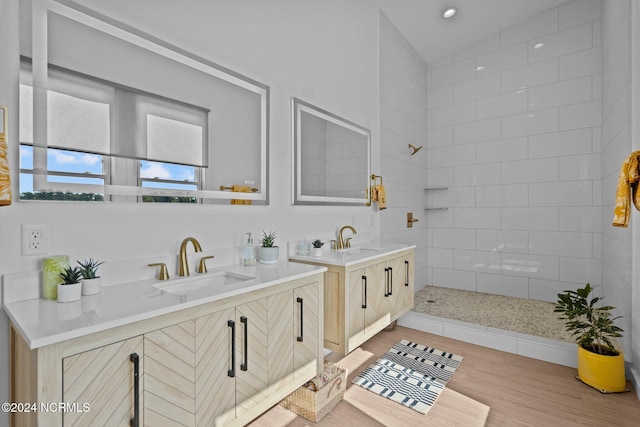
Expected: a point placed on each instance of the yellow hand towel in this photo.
(5, 176)
(627, 190)
(240, 189)
(378, 195)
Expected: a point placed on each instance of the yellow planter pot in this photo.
(604, 373)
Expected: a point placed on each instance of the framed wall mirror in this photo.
(332, 158)
(110, 113)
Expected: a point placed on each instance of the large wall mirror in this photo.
(331, 158)
(110, 113)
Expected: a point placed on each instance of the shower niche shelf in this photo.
(436, 188)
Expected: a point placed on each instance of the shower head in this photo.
(414, 148)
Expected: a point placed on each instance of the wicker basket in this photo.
(314, 405)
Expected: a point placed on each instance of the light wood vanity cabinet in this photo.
(363, 298)
(221, 363)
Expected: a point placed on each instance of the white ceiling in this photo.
(433, 37)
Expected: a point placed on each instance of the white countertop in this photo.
(349, 256)
(44, 322)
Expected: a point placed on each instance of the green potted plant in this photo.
(268, 251)
(317, 247)
(70, 289)
(91, 282)
(600, 363)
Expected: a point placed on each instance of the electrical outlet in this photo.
(35, 239)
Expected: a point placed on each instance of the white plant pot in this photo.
(269, 255)
(91, 286)
(68, 293)
(316, 251)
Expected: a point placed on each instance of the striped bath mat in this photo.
(411, 374)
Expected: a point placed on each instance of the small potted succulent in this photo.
(268, 251)
(317, 247)
(600, 363)
(70, 289)
(91, 282)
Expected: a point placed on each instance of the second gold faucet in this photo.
(184, 264)
(345, 244)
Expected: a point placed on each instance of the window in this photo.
(94, 127)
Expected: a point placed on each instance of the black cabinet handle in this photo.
(364, 282)
(406, 274)
(301, 337)
(135, 359)
(232, 372)
(244, 366)
(386, 282)
(390, 281)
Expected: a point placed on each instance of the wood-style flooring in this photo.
(518, 390)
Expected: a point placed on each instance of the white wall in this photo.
(325, 53)
(403, 112)
(514, 132)
(617, 248)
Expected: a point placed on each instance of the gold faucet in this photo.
(341, 243)
(184, 265)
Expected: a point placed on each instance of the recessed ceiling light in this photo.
(539, 46)
(449, 13)
(480, 68)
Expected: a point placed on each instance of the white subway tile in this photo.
(586, 114)
(561, 243)
(440, 97)
(531, 123)
(486, 45)
(440, 258)
(531, 75)
(479, 261)
(502, 150)
(440, 62)
(561, 93)
(476, 217)
(597, 33)
(502, 241)
(465, 280)
(453, 73)
(596, 82)
(502, 105)
(566, 193)
(562, 43)
(547, 290)
(581, 63)
(439, 177)
(454, 238)
(500, 60)
(531, 218)
(579, 12)
(452, 197)
(528, 171)
(573, 168)
(477, 131)
(477, 88)
(543, 23)
(440, 137)
(581, 270)
(439, 218)
(482, 174)
(581, 218)
(502, 195)
(453, 156)
(452, 114)
(534, 266)
(560, 143)
(498, 284)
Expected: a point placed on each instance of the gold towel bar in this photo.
(222, 188)
(374, 178)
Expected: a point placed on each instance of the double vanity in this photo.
(217, 348)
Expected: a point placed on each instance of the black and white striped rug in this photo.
(411, 374)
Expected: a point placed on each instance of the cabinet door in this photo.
(280, 330)
(252, 350)
(105, 379)
(401, 284)
(359, 300)
(378, 303)
(215, 370)
(169, 359)
(307, 338)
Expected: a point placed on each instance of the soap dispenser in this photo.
(248, 256)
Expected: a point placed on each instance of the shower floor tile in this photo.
(521, 315)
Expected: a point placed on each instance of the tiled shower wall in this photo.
(403, 119)
(514, 135)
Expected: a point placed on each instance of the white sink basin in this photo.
(212, 280)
